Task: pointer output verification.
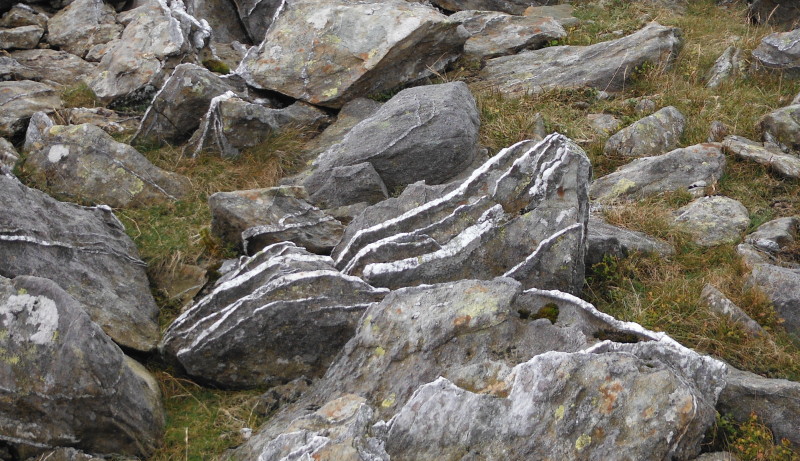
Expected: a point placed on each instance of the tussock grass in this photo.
(79, 95)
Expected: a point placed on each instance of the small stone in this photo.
(718, 303)
(713, 220)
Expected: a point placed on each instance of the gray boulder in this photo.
(604, 124)
(256, 16)
(254, 219)
(784, 13)
(350, 115)
(774, 235)
(423, 133)
(781, 52)
(85, 251)
(606, 66)
(684, 168)
(713, 220)
(110, 121)
(20, 38)
(729, 65)
(605, 239)
(224, 19)
(84, 162)
(343, 50)
(282, 314)
(498, 34)
(65, 383)
(781, 127)
(782, 286)
(720, 304)
(53, 67)
(82, 25)
(652, 135)
(20, 100)
(8, 154)
(23, 15)
(351, 184)
(772, 158)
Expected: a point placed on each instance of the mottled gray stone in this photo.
(106, 119)
(560, 12)
(20, 38)
(82, 25)
(713, 220)
(64, 382)
(282, 314)
(773, 235)
(351, 184)
(751, 256)
(783, 164)
(604, 124)
(781, 52)
(507, 6)
(718, 131)
(782, 127)
(676, 170)
(8, 154)
(606, 66)
(652, 135)
(223, 17)
(257, 16)
(343, 50)
(23, 15)
(498, 34)
(720, 304)
(84, 250)
(20, 100)
(784, 13)
(729, 65)
(782, 286)
(607, 240)
(53, 67)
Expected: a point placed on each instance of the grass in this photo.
(79, 95)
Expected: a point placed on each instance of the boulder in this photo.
(82, 25)
(774, 235)
(423, 133)
(110, 121)
(496, 34)
(20, 100)
(772, 158)
(279, 315)
(606, 66)
(20, 38)
(780, 52)
(349, 185)
(23, 15)
(720, 304)
(84, 250)
(681, 169)
(83, 162)
(224, 19)
(604, 124)
(522, 215)
(343, 50)
(53, 67)
(65, 383)
(350, 115)
(560, 12)
(652, 135)
(517, 7)
(65, 454)
(729, 65)
(713, 220)
(605, 239)
(232, 124)
(782, 286)
(781, 127)
(8, 154)
(784, 13)
(253, 219)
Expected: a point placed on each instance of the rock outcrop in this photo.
(653, 135)
(780, 52)
(496, 34)
(19, 100)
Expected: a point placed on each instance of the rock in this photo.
(84, 162)
(174, 113)
(351, 114)
(82, 25)
(784, 13)
(351, 184)
(53, 67)
(498, 34)
(718, 131)
(20, 100)
(517, 7)
(606, 66)
(604, 124)
(781, 127)
(84, 250)
(65, 382)
(343, 50)
(774, 235)
(713, 220)
(258, 15)
(282, 314)
(181, 283)
(224, 19)
(646, 106)
(284, 394)
(156, 38)
(676, 170)
(719, 304)
(561, 13)
(652, 135)
(607, 240)
(254, 219)
(776, 402)
(232, 124)
(782, 286)
(751, 256)
(717, 456)
(65, 454)
(8, 154)
(729, 65)
(20, 38)
(783, 164)
(423, 133)
(781, 52)
(23, 15)
(106, 119)
(522, 215)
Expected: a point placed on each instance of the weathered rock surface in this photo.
(522, 215)
(82, 25)
(782, 286)
(713, 220)
(785, 13)
(507, 6)
(604, 124)
(423, 133)
(343, 50)
(108, 120)
(781, 52)
(8, 154)
(772, 158)
(652, 135)
(605, 239)
(729, 65)
(84, 162)
(254, 219)
(64, 382)
(351, 114)
(257, 15)
(351, 184)
(282, 314)
(776, 402)
(52, 67)
(497, 34)
(782, 127)
(23, 15)
(65, 454)
(774, 235)
(20, 38)
(85, 251)
(20, 100)
(702, 164)
(719, 303)
(606, 66)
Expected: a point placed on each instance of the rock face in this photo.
(774, 235)
(694, 166)
(52, 67)
(607, 240)
(84, 162)
(20, 38)
(86, 252)
(606, 66)
(713, 220)
(522, 215)
(423, 133)
(20, 100)
(342, 50)
(772, 158)
(82, 25)
(64, 382)
(729, 65)
(351, 184)
(781, 127)
(497, 34)
(254, 219)
(282, 314)
(782, 286)
(8, 154)
(507, 6)
(780, 51)
(652, 135)
(257, 15)
(719, 303)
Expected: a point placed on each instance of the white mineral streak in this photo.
(208, 119)
(57, 152)
(518, 270)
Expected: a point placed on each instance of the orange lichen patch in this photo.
(560, 191)
(610, 391)
(477, 289)
(462, 321)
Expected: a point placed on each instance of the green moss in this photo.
(217, 66)
(79, 95)
(549, 311)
